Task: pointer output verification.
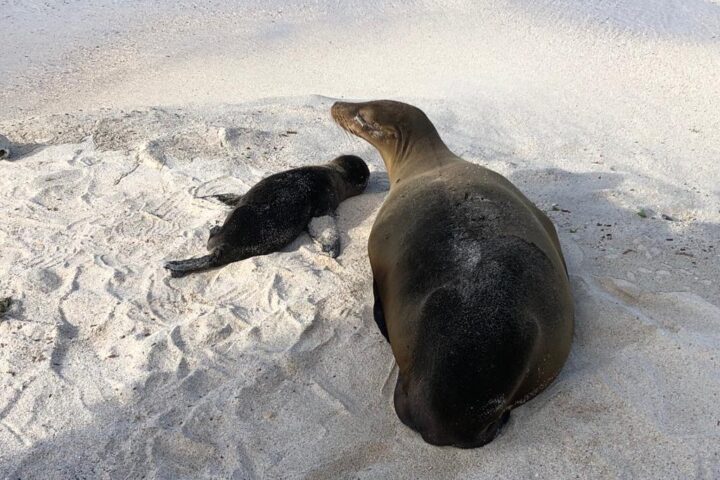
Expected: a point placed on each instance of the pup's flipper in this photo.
(229, 199)
(325, 232)
(180, 268)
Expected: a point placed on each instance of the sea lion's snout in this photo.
(356, 118)
(339, 107)
(342, 113)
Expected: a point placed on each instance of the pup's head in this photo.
(354, 171)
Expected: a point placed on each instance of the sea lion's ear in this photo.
(383, 133)
(373, 128)
(377, 133)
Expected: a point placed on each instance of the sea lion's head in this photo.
(354, 171)
(382, 123)
(395, 129)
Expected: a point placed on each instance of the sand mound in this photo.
(273, 367)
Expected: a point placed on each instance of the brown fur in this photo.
(470, 282)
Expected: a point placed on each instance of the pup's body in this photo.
(276, 210)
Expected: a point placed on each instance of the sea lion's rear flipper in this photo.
(180, 268)
(378, 312)
(325, 232)
(229, 199)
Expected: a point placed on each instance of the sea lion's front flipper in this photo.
(229, 199)
(213, 233)
(180, 268)
(378, 312)
(325, 232)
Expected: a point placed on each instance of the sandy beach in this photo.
(121, 115)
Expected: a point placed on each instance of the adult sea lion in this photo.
(276, 210)
(470, 285)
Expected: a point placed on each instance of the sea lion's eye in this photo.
(361, 121)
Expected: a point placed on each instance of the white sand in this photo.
(273, 367)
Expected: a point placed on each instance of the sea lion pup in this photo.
(470, 284)
(276, 210)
